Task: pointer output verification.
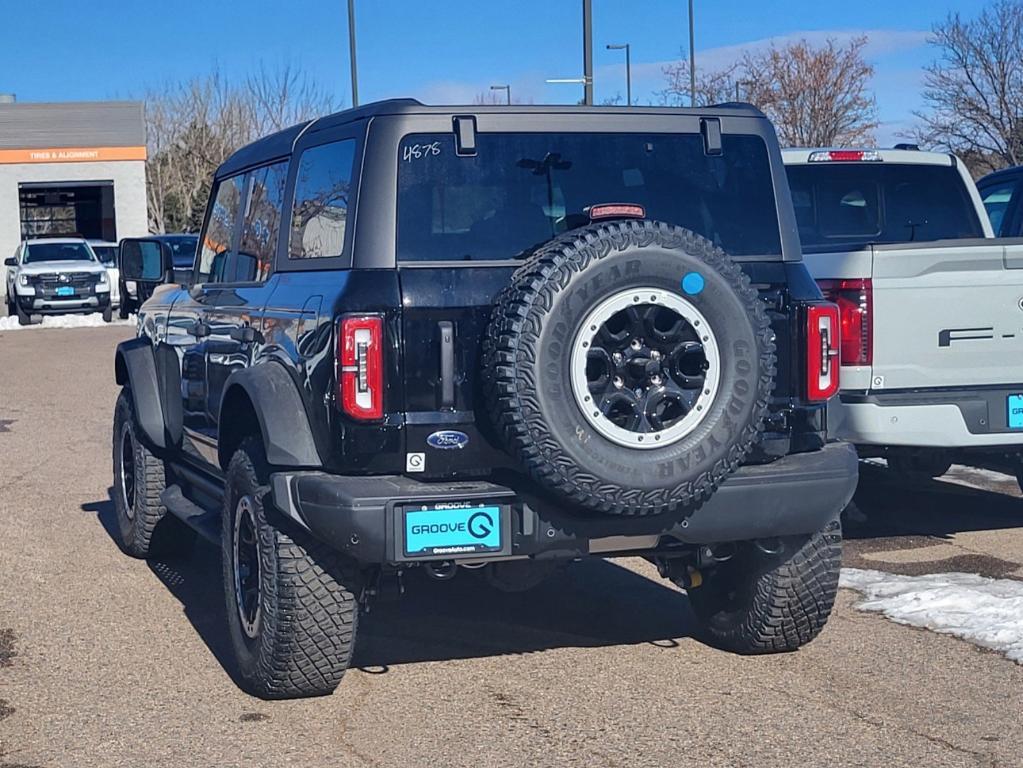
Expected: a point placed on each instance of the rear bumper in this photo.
(937, 418)
(361, 516)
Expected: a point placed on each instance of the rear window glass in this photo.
(842, 205)
(520, 190)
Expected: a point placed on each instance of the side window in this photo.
(215, 243)
(264, 206)
(322, 188)
(996, 199)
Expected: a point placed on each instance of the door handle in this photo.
(245, 334)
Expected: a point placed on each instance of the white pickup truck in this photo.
(931, 304)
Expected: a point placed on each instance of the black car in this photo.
(491, 338)
(178, 250)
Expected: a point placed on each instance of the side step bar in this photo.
(205, 522)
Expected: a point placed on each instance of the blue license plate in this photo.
(441, 530)
(66, 290)
(1015, 404)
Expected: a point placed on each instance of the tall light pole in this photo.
(351, 52)
(628, 69)
(505, 88)
(588, 52)
(692, 57)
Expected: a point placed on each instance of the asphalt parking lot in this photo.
(109, 661)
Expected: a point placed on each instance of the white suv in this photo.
(56, 276)
(106, 252)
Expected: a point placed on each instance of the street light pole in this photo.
(351, 52)
(505, 88)
(588, 52)
(628, 69)
(692, 57)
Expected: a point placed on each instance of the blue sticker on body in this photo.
(692, 283)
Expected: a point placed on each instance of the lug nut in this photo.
(617, 357)
(655, 380)
(636, 344)
(618, 381)
(655, 355)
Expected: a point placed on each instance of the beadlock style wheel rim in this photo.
(127, 448)
(245, 549)
(645, 368)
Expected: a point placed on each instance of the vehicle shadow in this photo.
(894, 506)
(588, 604)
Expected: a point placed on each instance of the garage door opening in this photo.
(68, 208)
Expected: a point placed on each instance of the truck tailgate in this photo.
(947, 314)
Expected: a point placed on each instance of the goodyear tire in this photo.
(292, 608)
(758, 602)
(629, 366)
(144, 529)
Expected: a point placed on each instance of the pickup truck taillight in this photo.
(360, 366)
(822, 345)
(855, 307)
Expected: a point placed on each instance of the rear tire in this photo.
(292, 607)
(144, 529)
(108, 314)
(756, 603)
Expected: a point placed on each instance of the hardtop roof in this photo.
(279, 145)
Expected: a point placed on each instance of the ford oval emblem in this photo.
(447, 439)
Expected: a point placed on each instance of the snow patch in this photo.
(94, 320)
(983, 611)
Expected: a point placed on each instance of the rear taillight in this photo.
(360, 374)
(855, 308)
(822, 343)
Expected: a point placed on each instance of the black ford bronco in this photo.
(494, 338)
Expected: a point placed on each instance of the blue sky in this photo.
(439, 51)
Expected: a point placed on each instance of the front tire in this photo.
(108, 314)
(143, 527)
(759, 603)
(292, 607)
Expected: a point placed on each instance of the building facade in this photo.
(71, 168)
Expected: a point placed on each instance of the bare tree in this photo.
(974, 89)
(193, 126)
(712, 86)
(814, 95)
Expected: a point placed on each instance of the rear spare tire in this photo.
(629, 367)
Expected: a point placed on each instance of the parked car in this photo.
(595, 338)
(106, 252)
(179, 249)
(930, 304)
(51, 276)
(1001, 194)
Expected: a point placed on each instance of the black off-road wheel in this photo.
(292, 604)
(144, 528)
(629, 366)
(771, 601)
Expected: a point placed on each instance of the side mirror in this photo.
(10, 261)
(144, 261)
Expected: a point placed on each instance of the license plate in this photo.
(452, 529)
(1015, 404)
(65, 290)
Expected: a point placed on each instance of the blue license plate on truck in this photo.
(65, 290)
(1015, 411)
(453, 529)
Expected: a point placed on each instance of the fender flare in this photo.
(135, 368)
(283, 420)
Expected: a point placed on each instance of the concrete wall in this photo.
(128, 176)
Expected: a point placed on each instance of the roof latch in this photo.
(465, 135)
(710, 127)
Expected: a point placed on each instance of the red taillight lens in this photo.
(360, 375)
(822, 343)
(855, 308)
